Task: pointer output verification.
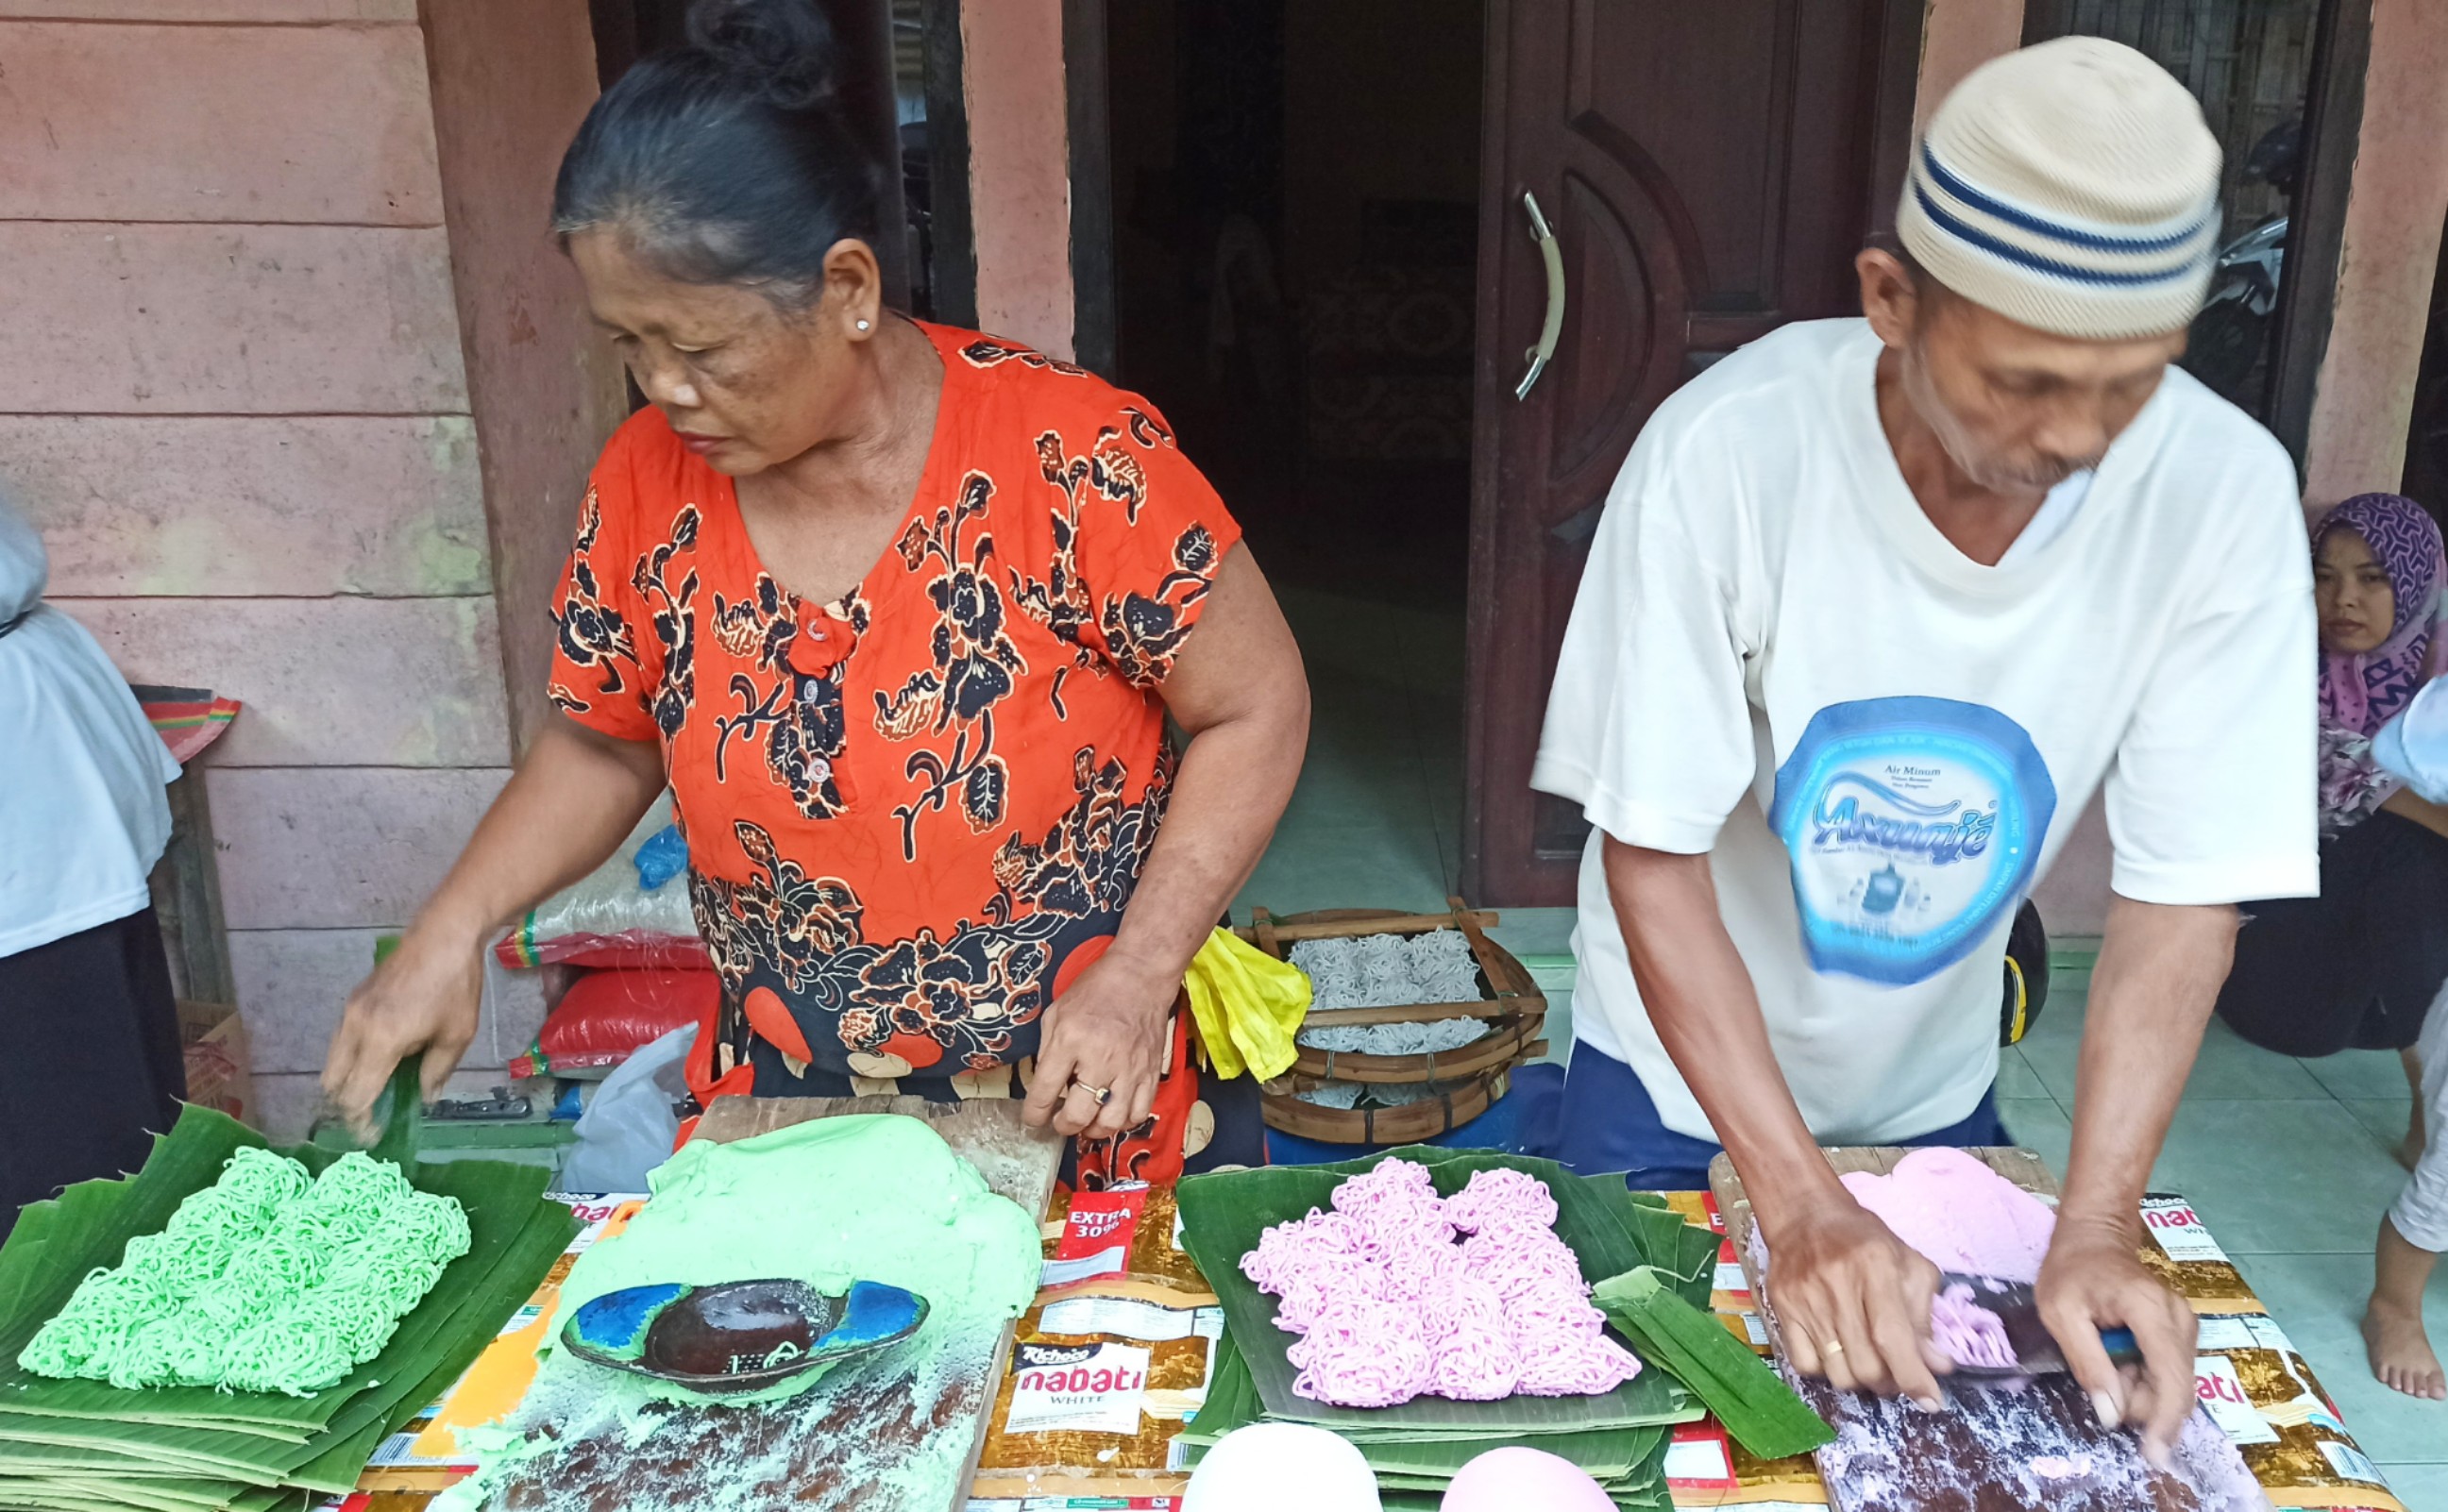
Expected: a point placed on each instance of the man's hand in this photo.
(1852, 1301)
(2093, 1279)
(1107, 1031)
(2159, 972)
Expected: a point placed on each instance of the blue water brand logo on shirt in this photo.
(1914, 825)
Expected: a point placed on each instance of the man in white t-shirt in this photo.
(1876, 608)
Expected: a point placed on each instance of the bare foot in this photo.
(2401, 1353)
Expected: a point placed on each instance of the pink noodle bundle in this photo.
(1398, 1292)
(1502, 1202)
(1362, 1353)
(1967, 1332)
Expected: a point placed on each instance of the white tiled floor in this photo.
(2287, 1161)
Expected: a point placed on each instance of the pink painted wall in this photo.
(238, 405)
(1019, 169)
(513, 79)
(2394, 211)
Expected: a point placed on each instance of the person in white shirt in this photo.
(1876, 608)
(89, 1057)
(2413, 748)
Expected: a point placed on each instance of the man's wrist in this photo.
(2092, 1222)
(1793, 1191)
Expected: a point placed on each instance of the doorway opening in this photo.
(898, 86)
(1296, 224)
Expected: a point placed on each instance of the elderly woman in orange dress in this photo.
(899, 613)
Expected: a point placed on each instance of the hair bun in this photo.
(784, 46)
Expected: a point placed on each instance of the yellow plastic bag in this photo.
(1248, 1005)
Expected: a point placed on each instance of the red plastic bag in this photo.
(607, 1015)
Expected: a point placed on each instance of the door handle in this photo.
(1553, 326)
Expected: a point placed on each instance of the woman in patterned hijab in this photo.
(2380, 570)
(2359, 967)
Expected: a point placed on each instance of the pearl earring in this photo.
(862, 325)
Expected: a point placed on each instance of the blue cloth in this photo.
(663, 857)
(1605, 1119)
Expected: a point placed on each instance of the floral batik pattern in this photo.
(962, 997)
(787, 696)
(908, 807)
(1131, 632)
(592, 636)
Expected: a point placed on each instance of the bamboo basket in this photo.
(1407, 1124)
(1473, 1075)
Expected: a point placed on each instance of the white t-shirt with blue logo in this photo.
(1776, 659)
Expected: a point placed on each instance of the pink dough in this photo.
(1967, 1332)
(1960, 1214)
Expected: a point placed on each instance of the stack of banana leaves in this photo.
(79, 1445)
(1651, 1271)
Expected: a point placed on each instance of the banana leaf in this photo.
(1753, 1403)
(1233, 1402)
(188, 1490)
(1609, 1229)
(203, 1452)
(145, 1495)
(329, 1461)
(66, 1445)
(279, 1433)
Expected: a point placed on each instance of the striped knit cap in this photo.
(2071, 186)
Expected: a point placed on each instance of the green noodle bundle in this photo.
(268, 1280)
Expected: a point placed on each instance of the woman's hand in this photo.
(1108, 1031)
(574, 796)
(424, 998)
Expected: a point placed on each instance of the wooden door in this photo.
(1708, 171)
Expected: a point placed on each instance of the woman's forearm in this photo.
(1239, 690)
(1232, 787)
(574, 798)
(2406, 804)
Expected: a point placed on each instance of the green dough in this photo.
(877, 1197)
(872, 1197)
(268, 1280)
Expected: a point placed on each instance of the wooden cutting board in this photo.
(831, 1448)
(1988, 1449)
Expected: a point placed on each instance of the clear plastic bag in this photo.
(629, 1129)
(608, 910)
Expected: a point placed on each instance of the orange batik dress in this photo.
(915, 813)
